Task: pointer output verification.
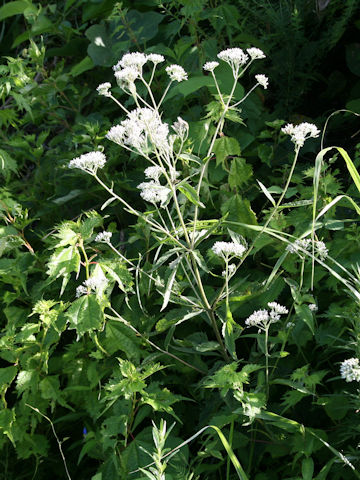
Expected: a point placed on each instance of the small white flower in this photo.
(258, 319)
(126, 77)
(350, 370)
(235, 57)
(262, 80)
(181, 128)
(177, 73)
(116, 134)
(255, 53)
(231, 270)
(89, 162)
(81, 290)
(313, 307)
(321, 250)
(103, 89)
(276, 307)
(300, 133)
(103, 237)
(134, 60)
(97, 283)
(154, 193)
(228, 249)
(153, 172)
(210, 66)
(155, 58)
(290, 325)
(300, 243)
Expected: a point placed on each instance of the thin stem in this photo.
(122, 320)
(119, 104)
(267, 360)
(56, 437)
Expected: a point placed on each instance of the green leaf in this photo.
(7, 375)
(62, 262)
(240, 173)
(81, 67)
(14, 8)
(225, 146)
(307, 468)
(99, 49)
(190, 193)
(304, 313)
(192, 85)
(85, 314)
(239, 211)
(120, 337)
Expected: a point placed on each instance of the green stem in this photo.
(231, 435)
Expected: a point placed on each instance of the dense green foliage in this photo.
(83, 378)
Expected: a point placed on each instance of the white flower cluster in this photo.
(103, 89)
(305, 244)
(235, 57)
(142, 128)
(350, 370)
(262, 80)
(92, 284)
(176, 73)
(89, 162)
(313, 307)
(135, 60)
(263, 318)
(210, 66)
(153, 172)
(300, 133)
(103, 237)
(255, 53)
(153, 192)
(228, 249)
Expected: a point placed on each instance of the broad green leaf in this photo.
(240, 173)
(62, 263)
(81, 67)
(225, 146)
(7, 418)
(14, 8)
(239, 211)
(119, 337)
(7, 375)
(85, 314)
(193, 84)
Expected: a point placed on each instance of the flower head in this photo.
(177, 73)
(155, 58)
(255, 53)
(154, 193)
(153, 172)
(134, 60)
(258, 319)
(228, 249)
(103, 237)
(103, 89)
(210, 66)
(235, 57)
(313, 307)
(262, 80)
(89, 162)
(300, 133)
(126, 77)
(350, 370)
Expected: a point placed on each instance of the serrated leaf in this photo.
(225, 146)
(85, 314)
(240, 172)
(7, 375)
